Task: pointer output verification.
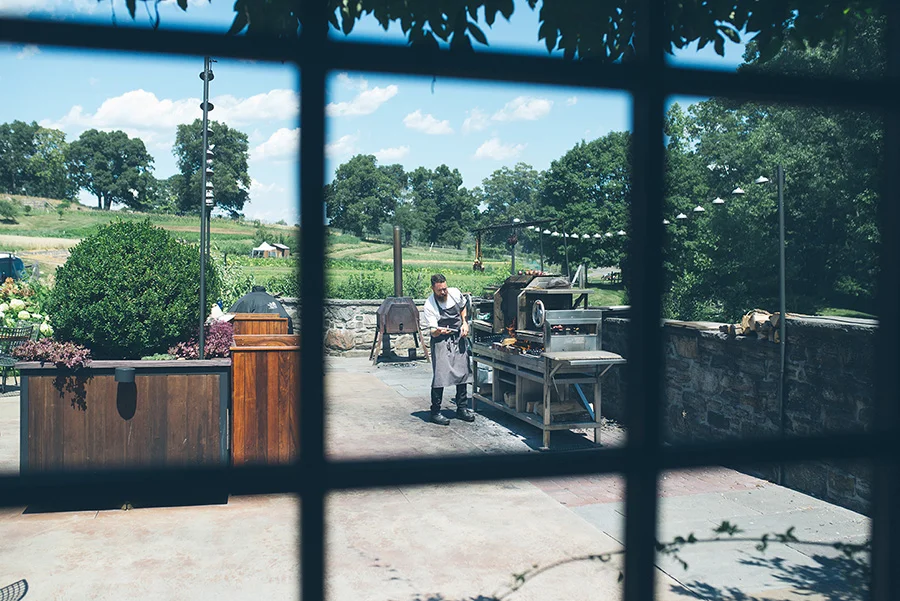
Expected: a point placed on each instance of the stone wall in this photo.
(350, 326)
(726, 388)
(718, 387)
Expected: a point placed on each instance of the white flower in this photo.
(36, 316)
(16, 304)
(24, 315)
(4, 307)
(46, 330)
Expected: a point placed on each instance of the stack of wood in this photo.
(757, 322)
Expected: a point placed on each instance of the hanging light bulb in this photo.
(699, 209)
(573, 235)
(737, 191)
(681, 216)
(666, 222)
(555, 234)
(621, 232)
(608, 234)
(598, 236)
(548, 231)
(585, 236)
(762, 179)
(718, 201)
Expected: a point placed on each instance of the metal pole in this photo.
(566, 246)
(782, 302)
(512, 269)
(203, 220)
(541, 236)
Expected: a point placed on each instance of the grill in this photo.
(542, 368)
(397, 315)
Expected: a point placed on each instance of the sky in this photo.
(471, 126)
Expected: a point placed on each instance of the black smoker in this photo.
(398, 314)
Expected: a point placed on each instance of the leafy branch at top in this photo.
(598, 29)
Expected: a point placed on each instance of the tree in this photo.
(595, 30)
(231, 176)
(589, 189)
(446, 208)
(364, 195)
(32, 161)
(114, 168)
(507, 194)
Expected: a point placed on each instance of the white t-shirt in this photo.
(433, 311)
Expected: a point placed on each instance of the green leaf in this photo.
(477, 34)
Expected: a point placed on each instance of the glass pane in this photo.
(483, 181)
(754, 539)
(733, 171)
(148, 14)
(469, 541)
(246, 547)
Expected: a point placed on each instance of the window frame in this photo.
(650, 81)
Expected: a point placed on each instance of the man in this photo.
(445, 315)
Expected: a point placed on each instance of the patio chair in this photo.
(15, 591)
(10, 338)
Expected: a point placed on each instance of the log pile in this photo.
(759, 323)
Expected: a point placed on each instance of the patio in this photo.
(438, 542)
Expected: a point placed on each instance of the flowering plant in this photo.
(19, 306)
(219, 338)
(46, 350)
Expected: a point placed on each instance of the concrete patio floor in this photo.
(436, 542)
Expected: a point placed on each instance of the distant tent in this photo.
(264, 250)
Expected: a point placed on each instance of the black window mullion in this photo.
(885, 527)
(313, 71)
(644, 367)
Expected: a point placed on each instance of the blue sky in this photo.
(474, 127)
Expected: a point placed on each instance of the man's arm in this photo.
(464, 328)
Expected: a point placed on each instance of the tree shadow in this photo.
(832, 578)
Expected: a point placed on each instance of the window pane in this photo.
(442, 160)
(212, 16)
(730, 512)
(470, 540)
(728, 166)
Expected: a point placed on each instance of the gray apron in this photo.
(450, 352)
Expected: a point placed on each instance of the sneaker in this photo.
(465, 414)
(439, 419)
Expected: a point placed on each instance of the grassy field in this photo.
(358, 268)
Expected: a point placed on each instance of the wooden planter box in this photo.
(173, 414)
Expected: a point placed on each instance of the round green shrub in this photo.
(130, 290)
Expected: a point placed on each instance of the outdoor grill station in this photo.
(542, 346)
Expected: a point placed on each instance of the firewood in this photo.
(746, 323)
(775, 319)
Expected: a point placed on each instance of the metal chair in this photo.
(10, 338)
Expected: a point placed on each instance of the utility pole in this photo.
(206, 198)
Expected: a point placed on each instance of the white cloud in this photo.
(343, 146)
(93, 81)
(571, 100)
(498, 151)
(257, 188)
(427, 123)
(523, 108)
(476, 120)
(391, 154)
(143, 110)
(28, 51)
(283, 144)
(276, 104)
(366, 101)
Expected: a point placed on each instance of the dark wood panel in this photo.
(267, 340)
(259, 323)
(160, 419)
(266, 404)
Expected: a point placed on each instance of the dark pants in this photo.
(437, 395)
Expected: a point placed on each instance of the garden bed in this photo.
(172, 414)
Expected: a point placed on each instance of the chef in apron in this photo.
(445, 316)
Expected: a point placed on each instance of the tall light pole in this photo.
(206, 197)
